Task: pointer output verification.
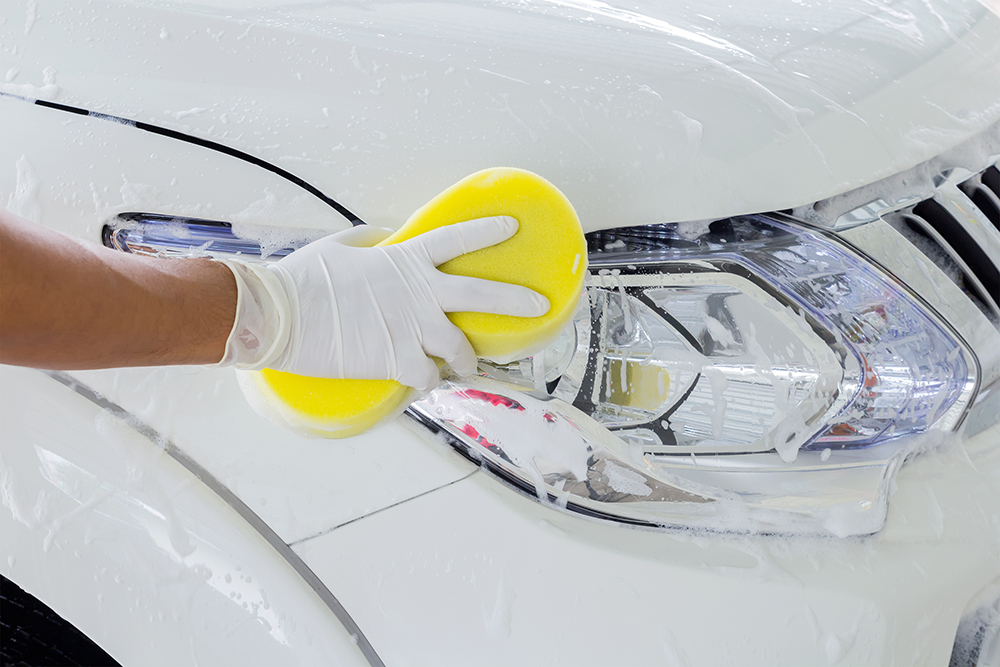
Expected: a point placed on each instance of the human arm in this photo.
(69, 304)
(335, 308)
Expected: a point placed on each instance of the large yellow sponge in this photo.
(547, 254)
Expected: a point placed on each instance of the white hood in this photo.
(649, 114)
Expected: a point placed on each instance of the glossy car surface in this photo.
(163, 517)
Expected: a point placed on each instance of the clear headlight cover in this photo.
(749, 374)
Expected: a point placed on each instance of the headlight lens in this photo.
(754, 363)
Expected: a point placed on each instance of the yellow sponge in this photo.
(547, 254)
(327, 407)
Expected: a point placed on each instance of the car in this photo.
(769, 436)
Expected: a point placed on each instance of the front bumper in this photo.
(476, 573)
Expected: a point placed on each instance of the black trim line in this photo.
(205, 143)
(231, 499)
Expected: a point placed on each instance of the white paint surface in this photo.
(648, 114)
(570, 583)
(643, 114)
(133, 550)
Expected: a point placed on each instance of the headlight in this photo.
(751, 374)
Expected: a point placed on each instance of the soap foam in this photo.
(47, 91)
(24, 200)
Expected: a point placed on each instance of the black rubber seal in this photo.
(204, 143)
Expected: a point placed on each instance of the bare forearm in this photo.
(69, 304)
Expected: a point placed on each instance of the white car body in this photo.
(157, 512)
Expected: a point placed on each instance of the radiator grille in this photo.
(935, 229)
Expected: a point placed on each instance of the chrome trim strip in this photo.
(873, 210)
(233, 501)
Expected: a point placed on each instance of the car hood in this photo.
(648, 114)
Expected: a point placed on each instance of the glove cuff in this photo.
(263, 323)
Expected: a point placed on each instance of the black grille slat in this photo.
(925, 239)
(991, 179)
(984, 191)
(987, 204)
(975, 257)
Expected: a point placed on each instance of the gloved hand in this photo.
(339, 308)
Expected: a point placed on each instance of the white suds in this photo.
(24, 200)
(257, 222)
(47, 91)
(32, 16)
(497, 622)
(195, 111)
(623, 480)
(692, 229)
(649, 91)
(693, 131)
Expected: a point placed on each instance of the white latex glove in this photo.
(339, 308)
